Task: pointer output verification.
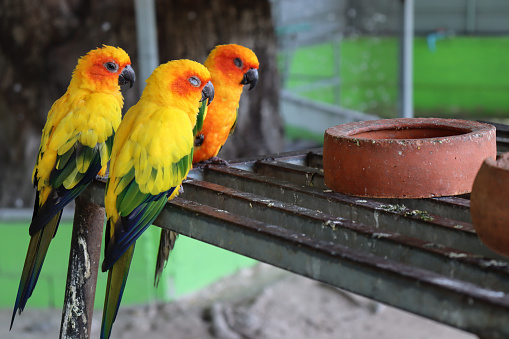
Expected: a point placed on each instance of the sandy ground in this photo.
(260, 302)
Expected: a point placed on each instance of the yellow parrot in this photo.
(152, 154)
(76, 144)
(231, 67)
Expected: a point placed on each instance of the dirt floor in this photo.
(261, 302)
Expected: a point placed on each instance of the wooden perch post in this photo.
(82, 272)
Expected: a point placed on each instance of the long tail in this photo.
(37, 249)
(117, 277)
(166, 244)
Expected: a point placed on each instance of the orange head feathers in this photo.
(103, 70)
(181, 84)
(233, 65)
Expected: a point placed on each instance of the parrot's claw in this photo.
(218, 161)
(211, 161)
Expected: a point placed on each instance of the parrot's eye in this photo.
(238, 62)
(195, 81)
(111, 67)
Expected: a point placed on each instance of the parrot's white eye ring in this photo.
(238, 62)
(194, 81)
(111, 66)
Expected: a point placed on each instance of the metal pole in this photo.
(471, 16)
(82, 272)
(146, 33)
(148, 54)
(336, 52)
(406, 100)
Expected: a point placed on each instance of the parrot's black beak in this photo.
(250, 77)
(208, 92)
(127, 76)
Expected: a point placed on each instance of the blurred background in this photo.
(322, 63)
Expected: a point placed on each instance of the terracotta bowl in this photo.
(489, 204)
(406, 158)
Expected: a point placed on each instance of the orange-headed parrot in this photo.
(76, 144)
(152, 154)
(231, 67)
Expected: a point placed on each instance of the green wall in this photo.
(464, 77)
(192, 266)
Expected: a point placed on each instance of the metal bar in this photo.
(453, 208)
(471, 17)
(322, 226)
(314, 159)
(406, 60)
(395, 218)
(146, 33)
(450, 301)
(299, 174)
(296, 157)
(503, 145)
(82, 272)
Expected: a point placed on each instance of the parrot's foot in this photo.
(212, 161)
(217, 161)
(102, 178)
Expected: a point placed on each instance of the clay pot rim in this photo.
(431, 164)
(465, 127)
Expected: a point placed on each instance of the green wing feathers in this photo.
(202, 113)
(75, 164)
(37, 249)
(74, 167)
(235, 122)
(117, 277)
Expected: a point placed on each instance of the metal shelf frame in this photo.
(419, 255)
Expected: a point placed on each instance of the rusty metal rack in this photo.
(419, 255)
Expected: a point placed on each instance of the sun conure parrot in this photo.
(75, 145)
(231, 67)
(152, 154)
